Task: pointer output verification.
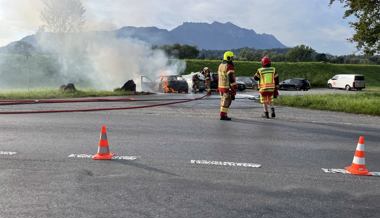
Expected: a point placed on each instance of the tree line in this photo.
(300, 53)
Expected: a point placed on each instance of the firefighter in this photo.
(268, 85)
(195, 80)
(227, 85)
(206, 73)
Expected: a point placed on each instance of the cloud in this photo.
(18, 18)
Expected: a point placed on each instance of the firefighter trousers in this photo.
(225, 102)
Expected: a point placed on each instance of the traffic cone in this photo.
(358, 164)
(103, 148)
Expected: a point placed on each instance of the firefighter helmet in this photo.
(265, 61)
(228, 55)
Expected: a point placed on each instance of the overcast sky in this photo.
(293, 22)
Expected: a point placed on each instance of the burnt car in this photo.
(295, 84)
(249, 82)
(195, 77)
(173, 84)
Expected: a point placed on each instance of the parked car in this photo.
(214, 82)
(173, 84)
(347, 81)
(249, 82)
(241, 86)
(295, 84)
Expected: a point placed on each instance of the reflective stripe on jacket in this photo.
(267, 75)
(224, 74)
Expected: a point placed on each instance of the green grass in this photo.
(54, 93)
(360, 103)
(316, 73)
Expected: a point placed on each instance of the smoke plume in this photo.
(89, 59)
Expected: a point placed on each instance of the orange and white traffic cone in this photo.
(103, 148)
(358, 164)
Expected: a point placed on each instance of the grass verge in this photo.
(54, 94)
(360, 103)
(316, 73)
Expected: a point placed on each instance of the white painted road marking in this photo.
(10, 153)
(343, 171)
(89, 156)
(222, 163)
(335, 171)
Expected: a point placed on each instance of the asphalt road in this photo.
(41, 180)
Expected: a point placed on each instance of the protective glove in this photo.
(276, 93)
(233, 94)
(232, 97)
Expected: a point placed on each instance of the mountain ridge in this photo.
(207, 36)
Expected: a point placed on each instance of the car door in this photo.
(334, 82)
(285, 84)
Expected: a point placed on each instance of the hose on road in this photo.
(19, 102)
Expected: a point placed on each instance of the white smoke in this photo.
(90, 59)
(103, 61)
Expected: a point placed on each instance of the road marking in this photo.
(343, 171)
(9, 153)
(89, 156)
(222, 163)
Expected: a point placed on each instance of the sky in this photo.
(293, 22)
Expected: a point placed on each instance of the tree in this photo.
(321, 57)
(301, 53)
(367, 27)
(181, 51)
(246, 54)
(63, 16)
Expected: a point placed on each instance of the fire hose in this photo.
(19, 102)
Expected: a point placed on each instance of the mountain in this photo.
(215, 36)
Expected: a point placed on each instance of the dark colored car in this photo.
(249, 82)
(241, 86)
(214, 82)
(295, 84)
(173, 84)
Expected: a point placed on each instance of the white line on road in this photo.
(222, 163)
(89, 156)
(9, 153)
(343, 171)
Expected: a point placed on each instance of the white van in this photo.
(347, 82)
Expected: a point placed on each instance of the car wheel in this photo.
(329, 86)
(348, 88)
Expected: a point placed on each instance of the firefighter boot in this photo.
(265, 115)
(273, 115)
(226, 118)
(223, 116)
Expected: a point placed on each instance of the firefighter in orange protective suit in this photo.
(227, 85)
(268, 85)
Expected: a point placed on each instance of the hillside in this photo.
(316, 73)
(214, 36)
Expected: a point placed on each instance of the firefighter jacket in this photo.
(226, 79)
(268, 78)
